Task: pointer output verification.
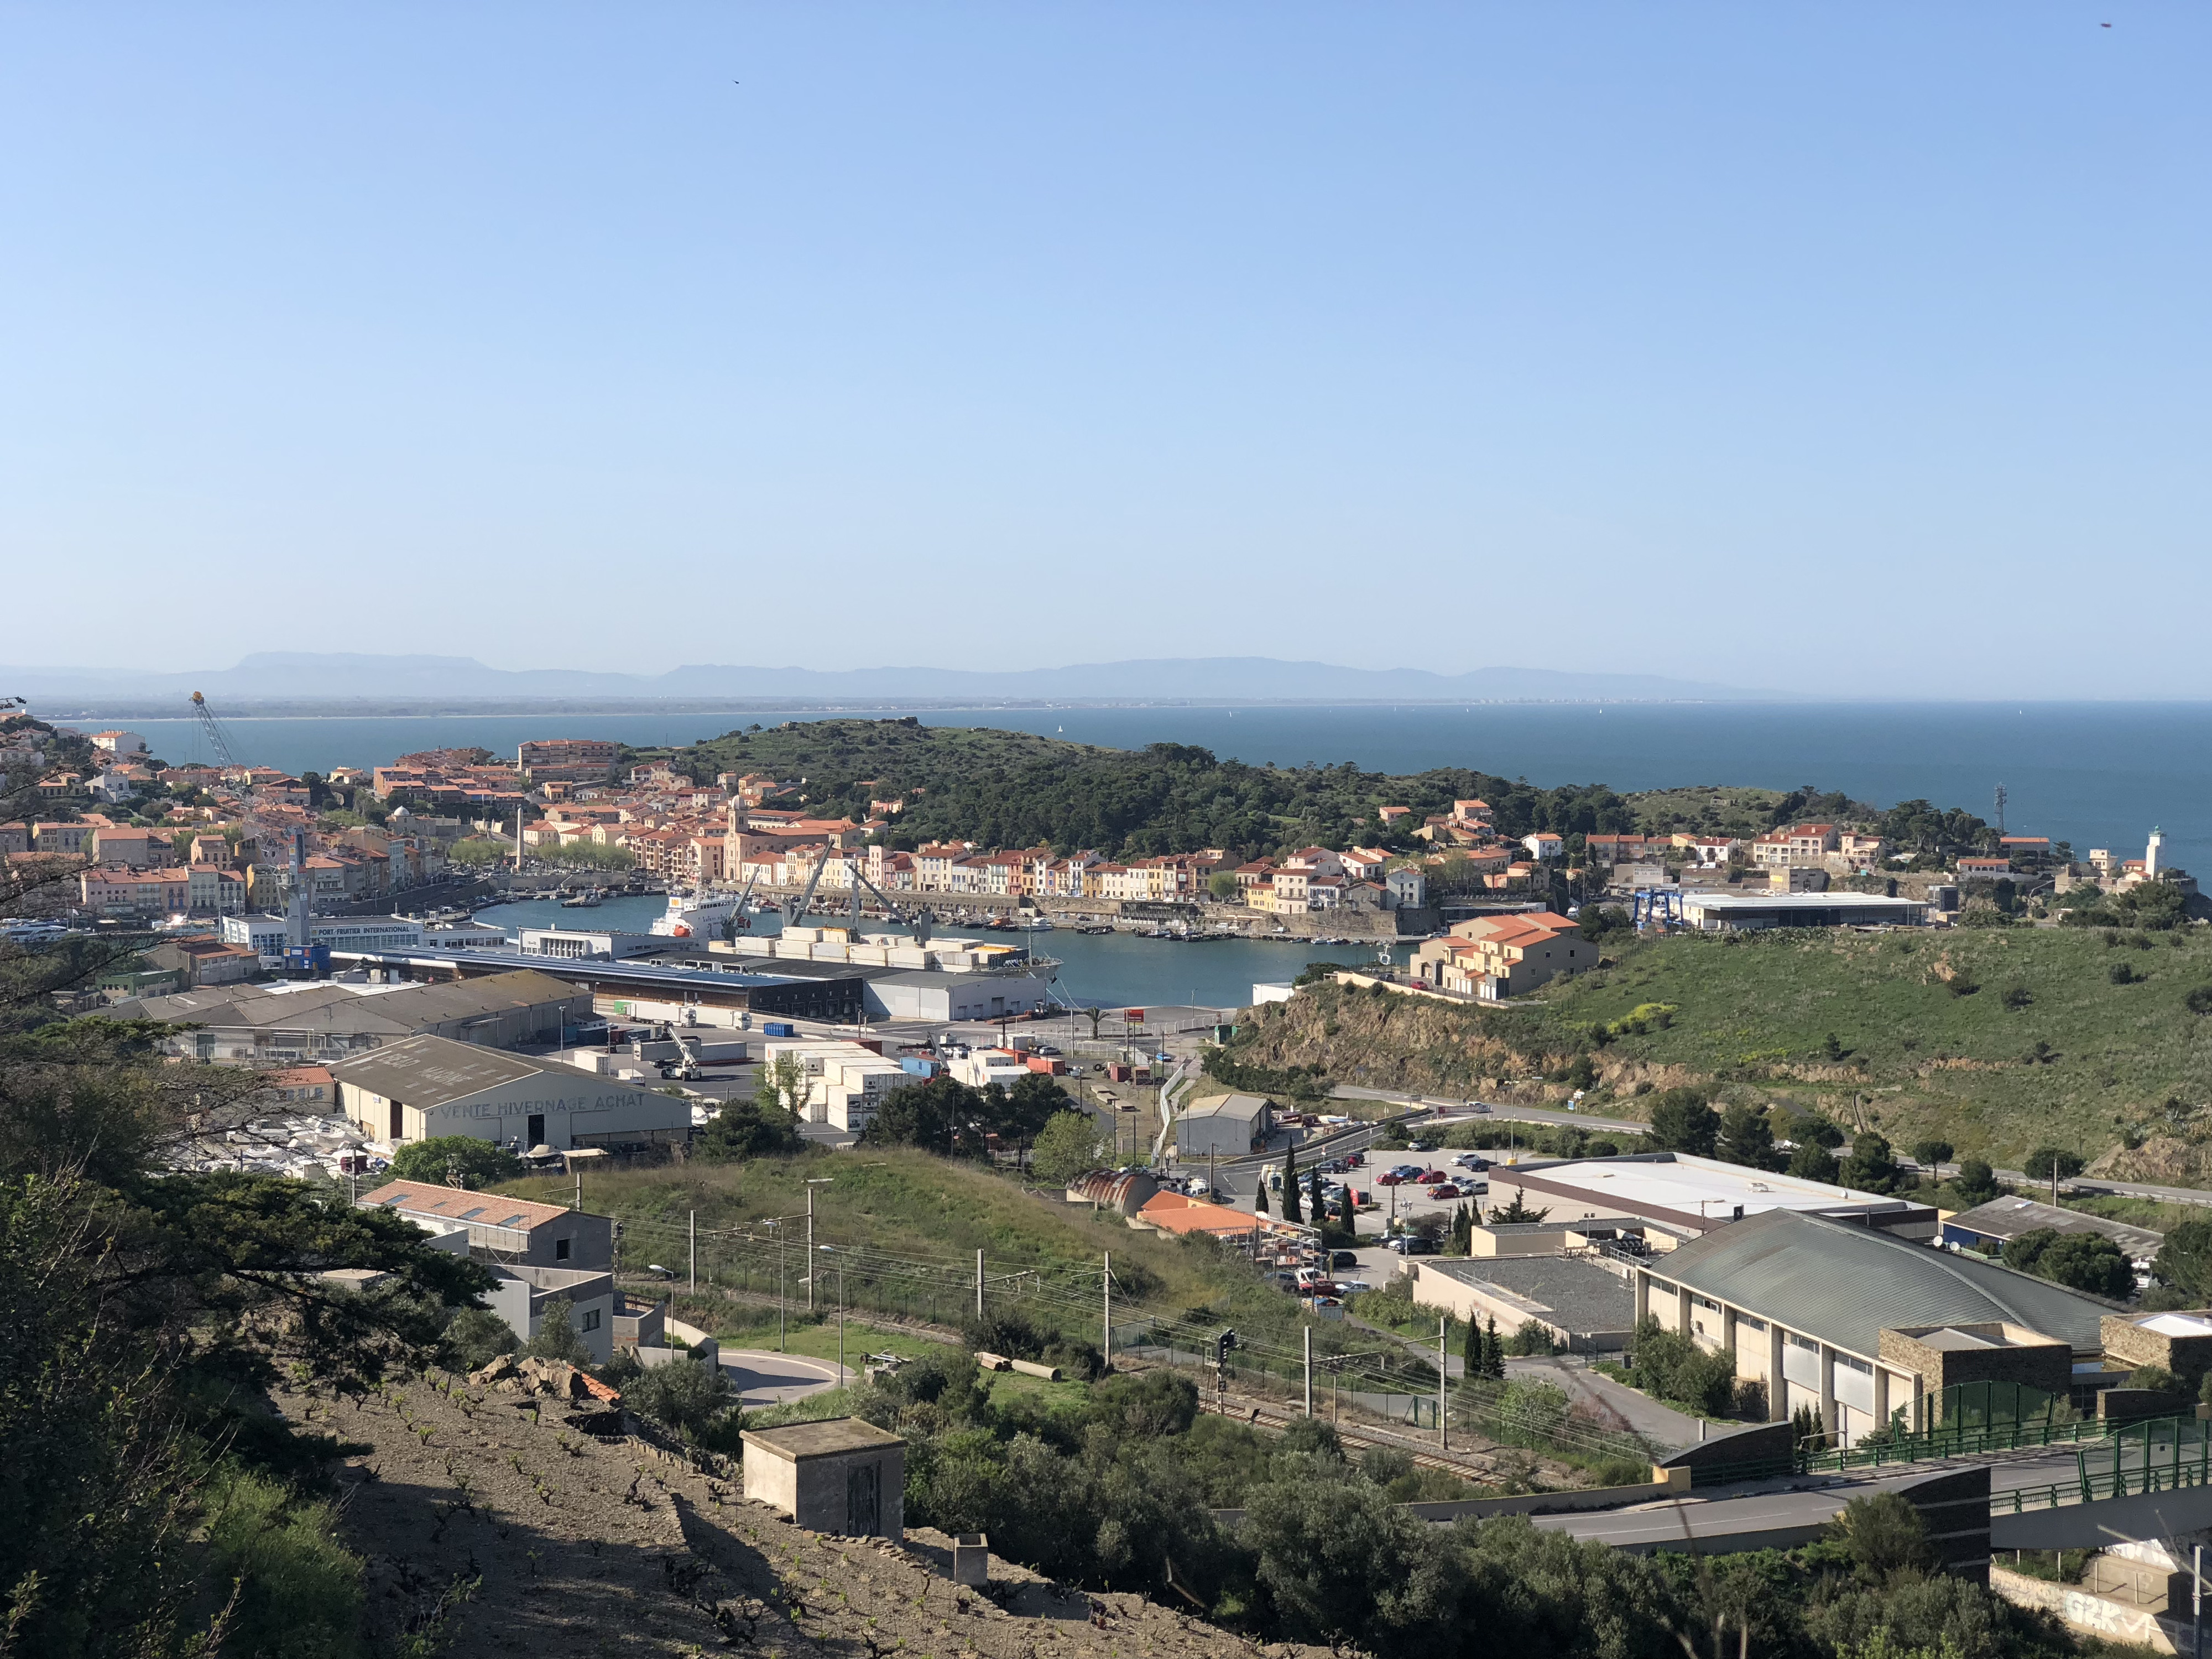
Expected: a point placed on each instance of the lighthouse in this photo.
(2150, 854)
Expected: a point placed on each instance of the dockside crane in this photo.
(266, 835)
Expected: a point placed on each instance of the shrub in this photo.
(474, 1337)
(2153, 1377)
(690, 1400)
(1532, 1339)
(556, 1337)
(1672, 1366)
(2015, 998)
(455, 1161)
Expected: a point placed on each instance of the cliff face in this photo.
(1381, 1039)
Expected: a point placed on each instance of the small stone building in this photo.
(842, 1475)
(2181, 1342)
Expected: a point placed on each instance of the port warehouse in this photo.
(700, 986)
(423, 1087)
(321, 1019)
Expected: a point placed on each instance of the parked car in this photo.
(1429, 1177)
(1471, 1161)
(1390, 1178)
(1354, 1160)
(1417, 1146)
(1342, 1259)
(1477, 1106)
(1446, 1189)
(1413, 1245)
(1405, 1171)
(1353, 1287)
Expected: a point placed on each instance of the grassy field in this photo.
(1997, 1040)
(905, 1227)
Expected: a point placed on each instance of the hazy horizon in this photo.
(1825, 354)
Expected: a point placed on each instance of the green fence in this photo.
(1969, 1418)
(2159, 1455)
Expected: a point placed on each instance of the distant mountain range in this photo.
(296, 677)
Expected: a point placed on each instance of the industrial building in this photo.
(1721, 913)
(511, 1232)
(1863, 1325)
(1229, 1126)
(845, 1082)
(290, 1024)
(674, 986)
(1996, 1224)
(1690, 1195)
(266, 933)
(427, 1086)
(939, 997)
(1589, 1305)
(587, 944)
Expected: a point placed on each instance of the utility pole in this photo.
(695, 1252)
(781, 1340)
(1308, 1332)
(580, 1189)
(979, 1286)
(1106, 1285)
(1443, 1369)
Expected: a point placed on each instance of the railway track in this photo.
(1480, 1467)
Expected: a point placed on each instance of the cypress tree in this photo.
(1290, 1211)
(1351, 1213)
(1493, 1351)
(1315, 1206)
(1259, 1199)
(1474, 1353)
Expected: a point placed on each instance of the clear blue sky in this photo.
(1855, 348)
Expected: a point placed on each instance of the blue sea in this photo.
(2096, 774)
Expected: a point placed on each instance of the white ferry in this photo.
(693, 915)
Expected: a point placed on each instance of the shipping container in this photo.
(921, 1065)
(1050, 1066)
(778, 1028)
(1117, 1073)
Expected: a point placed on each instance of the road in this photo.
(1458, 1108)
(1809, 1503)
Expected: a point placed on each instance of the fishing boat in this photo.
(587, 900)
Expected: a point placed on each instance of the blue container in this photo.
(779, 1028)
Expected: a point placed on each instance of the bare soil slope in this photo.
(491, 1527)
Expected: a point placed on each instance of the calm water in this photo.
(1105, 970)
(2097, 774)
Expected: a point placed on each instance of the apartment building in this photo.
(1496, 957)
(1804, 846)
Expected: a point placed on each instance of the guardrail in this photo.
(1955, 1442)
(2119, 1481)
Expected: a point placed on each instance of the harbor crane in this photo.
(266, 834)
(919, 918)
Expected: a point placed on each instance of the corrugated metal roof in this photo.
(1243, 1108)
(2008, 1218)
(428, 1072)
(1846, 1284)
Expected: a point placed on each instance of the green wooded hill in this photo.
(1017, 789)
(1996, 1039)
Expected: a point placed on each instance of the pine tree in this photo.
(1474, 1353)
(1290, 1211)
(1493, 1351)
